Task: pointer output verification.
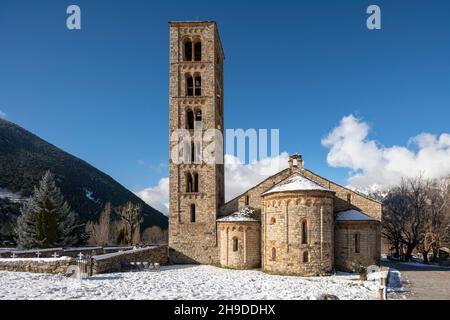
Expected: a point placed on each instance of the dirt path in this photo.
(423, 282)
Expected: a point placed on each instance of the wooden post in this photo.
(383, 288)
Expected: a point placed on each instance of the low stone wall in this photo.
(26, 261)
(115, 262)
(34, 265)
(62, 252)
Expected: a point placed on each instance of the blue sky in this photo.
(301, 66)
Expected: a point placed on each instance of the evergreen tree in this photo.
(47, 220)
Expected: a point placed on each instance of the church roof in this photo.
(353, 215)
(244, 215)
(296, 182)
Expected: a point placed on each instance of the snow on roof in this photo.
(243, 215)
(296, 183)
(353, 215)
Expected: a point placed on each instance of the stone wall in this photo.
(34, 265)
(369, 243)
(67, 252)
(115, 262)
(248, 236)
(284, 250)
(104, 263)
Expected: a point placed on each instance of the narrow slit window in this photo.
(193, 213)
(304, 232)
(357, 243)
(305, 257)
(235, 244)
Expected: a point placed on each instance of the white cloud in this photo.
(157, 196)
(374, 166)
(239, 177)
(2, 115)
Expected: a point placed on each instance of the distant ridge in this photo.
(24, 158)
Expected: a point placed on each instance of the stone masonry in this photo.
(195, 241)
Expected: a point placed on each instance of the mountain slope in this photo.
(24, 158)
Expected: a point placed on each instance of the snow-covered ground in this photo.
(184, 282)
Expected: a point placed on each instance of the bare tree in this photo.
(154, 235)
(131, 217)
(436, 222)
(100, 233)
(415, 216)
(404, 215)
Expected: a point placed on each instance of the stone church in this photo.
(294, 222)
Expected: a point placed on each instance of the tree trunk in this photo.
(408, 253)
(425, 257)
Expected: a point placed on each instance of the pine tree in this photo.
(47, 220)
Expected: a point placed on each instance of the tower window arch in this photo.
(189, 86)
(198, 51)
(304, 232)
(235, 244)
(198, 85)
(189, 119)
(189, 183)
(198, 116)
(195, 182)
(188, 51)
(193, 213)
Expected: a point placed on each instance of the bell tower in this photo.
(196, 186)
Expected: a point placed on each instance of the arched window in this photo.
(357, 238)
(190, 120)
(198, 51)
(189, 86)
(235, 244)
(305, 257)
(192, 211)
(247, 200)
(274, 254)
(189, 183)
(198, 117)
(195, 186)
(198, 85)
(349, 198)
(188, 51)
(304, 232)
